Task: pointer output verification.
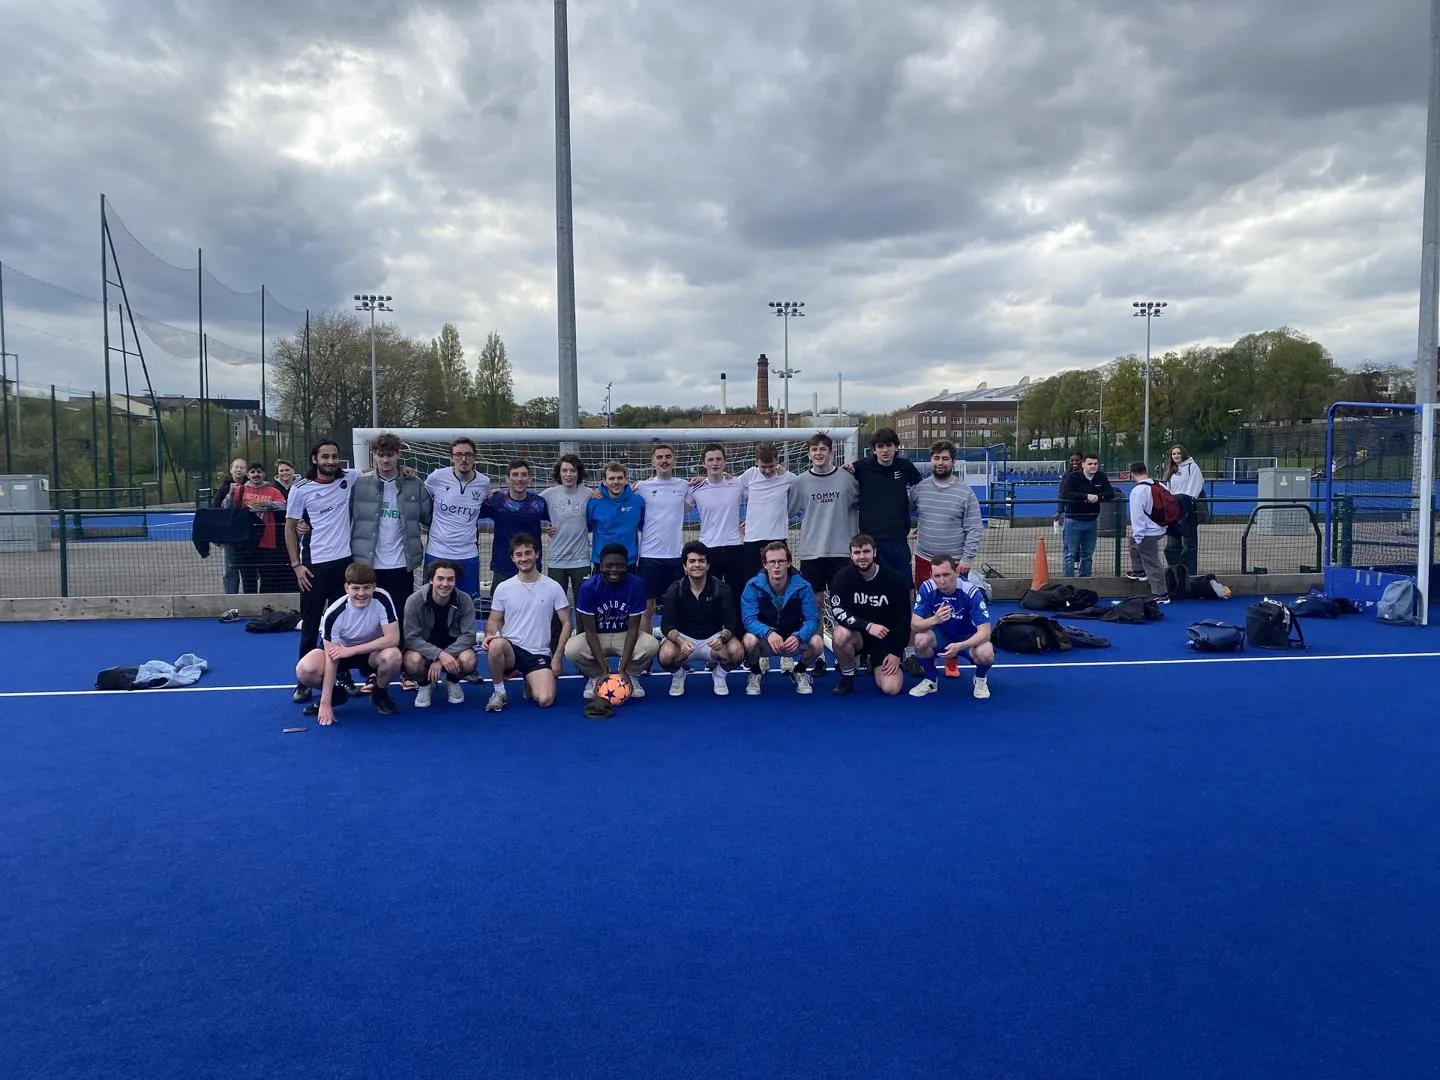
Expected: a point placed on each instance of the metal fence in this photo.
(98, 553)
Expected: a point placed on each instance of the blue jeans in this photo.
(1079, 541)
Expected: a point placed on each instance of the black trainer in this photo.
(383, 702)
(911, 666)
(818, 668)
(844, 686)
(301, 694)
(338, 696)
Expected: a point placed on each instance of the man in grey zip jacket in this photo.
(387, 509)
(435, 653)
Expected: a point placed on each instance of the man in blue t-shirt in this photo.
(514, 509)
(611, 606)
(950, 617)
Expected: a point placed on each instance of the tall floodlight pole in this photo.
(1149, 310)
(787, 310)
(1429, 347)
(372, 303)
(565, 228)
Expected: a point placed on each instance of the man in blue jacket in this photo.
(781, 618)
(615, 516)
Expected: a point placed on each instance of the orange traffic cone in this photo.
(1041, 574)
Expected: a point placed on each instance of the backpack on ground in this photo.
(117, 678)
(1314, 605)
(270, 621)
(1164, 507)
(1213, 636)
(1084, 639)
(1207, 587)
(1399, 604)
(1059, 596)
(1022, 632)
(1177, 582)
(1134, 609)
(1270, 625)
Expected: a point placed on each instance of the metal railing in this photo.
(63, 553)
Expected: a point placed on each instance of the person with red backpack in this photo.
(1152, 511)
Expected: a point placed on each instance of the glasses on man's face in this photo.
(777, 562)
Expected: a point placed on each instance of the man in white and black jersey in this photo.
(361, 629)
(662, 534)
(718, 499)
(458, 496)
(322, 498)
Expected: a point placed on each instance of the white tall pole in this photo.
(1429, 338)
(565, 230)
(1146, 456)
(374, 391)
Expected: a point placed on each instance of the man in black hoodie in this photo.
(885, 478)
(870, 606)
(1081, 494)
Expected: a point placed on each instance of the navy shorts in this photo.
(659, 575)
(896, 555)
(526, 662)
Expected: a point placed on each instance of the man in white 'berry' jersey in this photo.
(458, 493)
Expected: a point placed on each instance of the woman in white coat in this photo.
(1186, 482)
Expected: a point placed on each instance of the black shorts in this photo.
(820, 572)
(526, 662)
(659, 575)
(896, 555)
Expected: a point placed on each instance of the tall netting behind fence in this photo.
(1375, 507)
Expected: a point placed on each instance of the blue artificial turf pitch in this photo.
(1127, 863)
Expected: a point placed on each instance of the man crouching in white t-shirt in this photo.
(517, 634)
(358, 630)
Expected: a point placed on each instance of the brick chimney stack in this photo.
(762, 385)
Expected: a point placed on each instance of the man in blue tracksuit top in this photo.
(615, 516)
(781, 618)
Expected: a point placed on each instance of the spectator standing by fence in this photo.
(1081, 494)
(1186, 482)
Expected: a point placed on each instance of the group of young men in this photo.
(732, 598)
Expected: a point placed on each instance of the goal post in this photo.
(427, 449)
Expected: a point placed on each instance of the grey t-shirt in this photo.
(828, 505)
(570, 546)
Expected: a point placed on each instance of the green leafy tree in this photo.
(494, 385)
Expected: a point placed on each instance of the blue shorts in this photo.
(659, 575)
(896, 555)
(526, 662)
(469, 573)
(944, 641)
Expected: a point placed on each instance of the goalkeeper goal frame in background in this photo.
(1379, 499)
(429, 448)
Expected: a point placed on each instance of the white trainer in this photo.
(981, 688)
(454, 692)
(924, 688)
(677, 682)
(589, 692)
(422, 696)
(752, 684)
(637, 688)
(498, 700)
(717, 680)
(802, 682)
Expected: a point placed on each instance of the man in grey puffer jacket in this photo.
(387, 509)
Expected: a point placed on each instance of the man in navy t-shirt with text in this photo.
(611, 606)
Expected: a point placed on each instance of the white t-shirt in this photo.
(456, 511)
(719, 506)
(390, 544)
(527, 607)
(569, 548)
(328, 507)
(345, 624)
(767, 504)
(663, 534)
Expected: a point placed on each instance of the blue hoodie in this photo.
(615, 520)
(792, 612)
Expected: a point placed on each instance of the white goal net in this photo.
(426, 449)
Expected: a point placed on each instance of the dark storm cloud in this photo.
(958, 191)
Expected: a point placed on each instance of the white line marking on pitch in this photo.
(1161, 662)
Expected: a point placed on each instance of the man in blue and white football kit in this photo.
(950, 617)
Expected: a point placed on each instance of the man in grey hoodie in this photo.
(827, 497)
(439, 634)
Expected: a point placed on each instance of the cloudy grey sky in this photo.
(959, 192)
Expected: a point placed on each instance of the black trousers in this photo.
(327, 584)
(728, 564)
(398, 583)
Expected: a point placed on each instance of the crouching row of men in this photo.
(529, 631)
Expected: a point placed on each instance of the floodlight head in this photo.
(388, 299)
(357, 296)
